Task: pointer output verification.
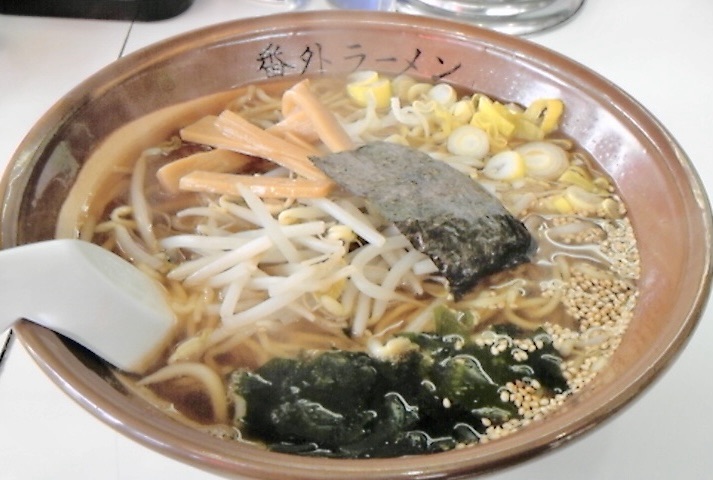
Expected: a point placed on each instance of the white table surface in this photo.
(659, 52)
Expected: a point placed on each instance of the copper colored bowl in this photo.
(668, 206)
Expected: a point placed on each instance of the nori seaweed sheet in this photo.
(445, 214)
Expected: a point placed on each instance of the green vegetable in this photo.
(348, 404)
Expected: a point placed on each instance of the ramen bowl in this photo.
(653, 175)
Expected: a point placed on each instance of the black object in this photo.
(465, 230)
(140, 10)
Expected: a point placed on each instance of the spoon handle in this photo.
(23, 271)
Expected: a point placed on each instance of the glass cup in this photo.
(517, 17)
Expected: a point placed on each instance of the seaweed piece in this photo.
(453, 322)
(465, 230)
(350, 405)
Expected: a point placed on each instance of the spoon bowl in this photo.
(88, 294)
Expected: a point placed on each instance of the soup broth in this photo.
(264, 258)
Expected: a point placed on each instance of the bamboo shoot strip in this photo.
(219, 160)
(324, 121)
(445, 214)
(244, 137)
(269, 146)
(296, 123)
(262, 186)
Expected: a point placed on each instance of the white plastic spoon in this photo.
(88, 294)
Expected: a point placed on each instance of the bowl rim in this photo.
(47, 350)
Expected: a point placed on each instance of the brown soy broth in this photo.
(187, 397)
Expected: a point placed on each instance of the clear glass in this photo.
(386, 5)
(517, 17)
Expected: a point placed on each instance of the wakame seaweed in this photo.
(465, 230)
(350, 405)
